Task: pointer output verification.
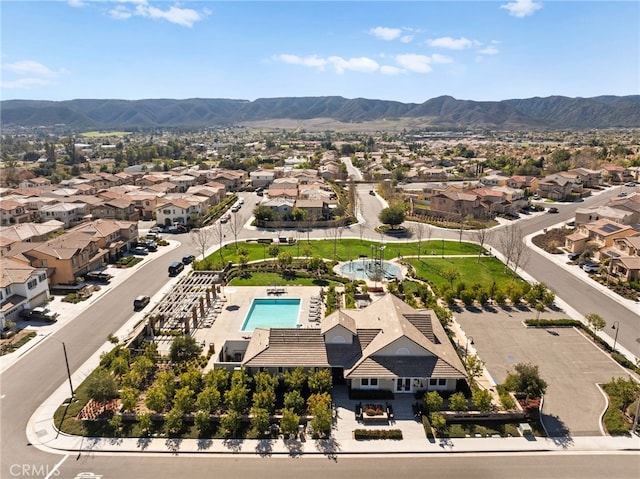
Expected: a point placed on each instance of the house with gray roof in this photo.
(386, 346)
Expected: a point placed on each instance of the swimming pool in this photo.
(370, 269)
(272, 313)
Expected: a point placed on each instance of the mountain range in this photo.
(554, 112)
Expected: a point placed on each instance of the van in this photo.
(140, 302)
(175, 268)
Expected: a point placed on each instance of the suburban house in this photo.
(21, 286)
(617, 174)
(69, 213)
(587, 215)
(521, 182)
(178, 210)
(282, 206)
(183, 182)
(624, 257)
(38, 182)
(12, 212)
(314, 209)
(213, 195)
(261, 178)
(494, 180)
(117, 209)
(115, 236)
(600, 233)
(558, 187)
(629, 203)
(32, 232)
(386, 346)
(458, 203)
(589, 178)
(233, 180)
(67, 257)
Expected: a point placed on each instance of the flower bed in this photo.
(360, 434)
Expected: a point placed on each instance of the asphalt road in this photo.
(490, 466)
(26, 384)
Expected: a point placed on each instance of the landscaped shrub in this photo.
(361, 434)
(427, 427)
(433, 401)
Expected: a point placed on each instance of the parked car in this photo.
(40, 314)
(591, 267)
(622, 193)
(241, 201)
(188, 259)
(155, 230)
(98, 277)
(372, 193)
(630, 183)
(150, 245)
(235, 208)
(140, 302)
(553, 209)
(175, 268)
(574, 256)
(140, 251)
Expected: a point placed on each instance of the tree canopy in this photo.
(392, 216)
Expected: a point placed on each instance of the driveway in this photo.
(570, 363)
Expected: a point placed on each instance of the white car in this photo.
(140, 251)
(591, 267)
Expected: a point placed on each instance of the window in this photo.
(374, 381)
(364, 382)
(32, 284)
(42, 277)
(433, 382)
(442, 382)
(280, 370)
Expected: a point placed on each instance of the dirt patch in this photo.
(552, 240)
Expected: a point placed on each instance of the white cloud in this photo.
(340, 65)
(452, 43)
(311, 61)
(414, 62)
(437, 58)
(76, 3)
(185, 17)
(490, 50)
(29, 67)
(361, 64)
(522, 8)
(385, 33)
(406, 38)
(391, 70)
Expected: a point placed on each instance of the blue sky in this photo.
(404, 51)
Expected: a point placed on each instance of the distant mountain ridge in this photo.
(554, 112)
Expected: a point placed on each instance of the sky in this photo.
(387, 50)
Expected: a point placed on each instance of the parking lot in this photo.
(570, 363)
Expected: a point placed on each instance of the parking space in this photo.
(570, 363)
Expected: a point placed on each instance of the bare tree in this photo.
(482, 236)
(201, 239)
(235, 226)
(420, 231)
(219, 233)
(513, 248)
(334, 233)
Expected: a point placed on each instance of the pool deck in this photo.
(235, 303)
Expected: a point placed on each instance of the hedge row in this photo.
(377, 434)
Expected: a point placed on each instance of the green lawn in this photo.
(344, 249)
(485, 272)
(269, 279)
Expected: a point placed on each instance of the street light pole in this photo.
(66, 362)
(466, 346)
(616, 326)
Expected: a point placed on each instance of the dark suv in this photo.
(188, 259)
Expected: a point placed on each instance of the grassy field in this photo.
(266, 279)
(471, 271)
(346, 249)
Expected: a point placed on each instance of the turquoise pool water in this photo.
(272, 313)
(369, 269)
